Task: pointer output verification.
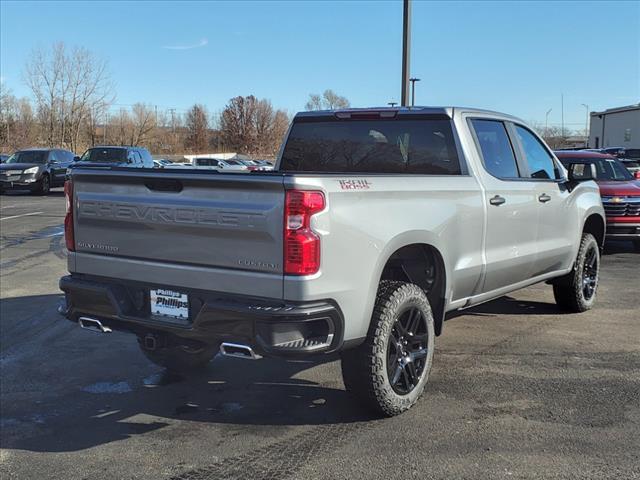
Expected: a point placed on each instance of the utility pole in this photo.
(586, 126)
(413, 90)
(392, 104)
(406, 50)
(546, 121)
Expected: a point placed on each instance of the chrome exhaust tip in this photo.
(239, 351)
(94, 325)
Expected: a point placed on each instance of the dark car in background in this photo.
(35, 169)
(619, 190)
(116, 156)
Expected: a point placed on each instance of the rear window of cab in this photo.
(398, 145)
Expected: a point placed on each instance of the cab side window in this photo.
(497, 152)
(539, 160)
(53, 158)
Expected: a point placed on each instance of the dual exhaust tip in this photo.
(227, 349)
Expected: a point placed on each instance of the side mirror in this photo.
(76, 158)
(582, 172)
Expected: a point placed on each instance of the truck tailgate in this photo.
(179, 220)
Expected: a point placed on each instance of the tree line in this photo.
(72, 105)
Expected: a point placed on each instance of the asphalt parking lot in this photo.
(518, 390)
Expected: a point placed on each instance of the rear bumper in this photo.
(623, 230)
(271, 327)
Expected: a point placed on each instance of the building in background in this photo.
(615, 127)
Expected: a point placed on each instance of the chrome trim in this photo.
(249, 355)
(94, 325)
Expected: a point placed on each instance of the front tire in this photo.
(389, 371)
(45, 185)
(180, 358)
(636, 245)
(577, 292)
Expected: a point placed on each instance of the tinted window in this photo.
(421, 146)
(632, 153)
(105, 155)
(497, 153)
(33, 156)
(606, 168)
(538, 159)
(207, 162)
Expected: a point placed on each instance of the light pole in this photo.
(413, 90)
(562, 108)
(406, 48)
(546, 121)
(586, 126)
(392, 104)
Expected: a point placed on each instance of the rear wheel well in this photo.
(595, 226)
(422, 265)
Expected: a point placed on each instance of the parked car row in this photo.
(219, 164)
(619, 190)
(39, 169)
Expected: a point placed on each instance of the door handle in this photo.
(544, 198)
(497, 200)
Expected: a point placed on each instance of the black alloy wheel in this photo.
(407, 351)
(590, 273)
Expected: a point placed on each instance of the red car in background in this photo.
(619, 190)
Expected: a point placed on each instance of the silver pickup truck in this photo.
(374, 225)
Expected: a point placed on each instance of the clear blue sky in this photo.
(516, 57)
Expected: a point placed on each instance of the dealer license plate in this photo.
(169, 304)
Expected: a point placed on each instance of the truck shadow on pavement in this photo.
(65, 389)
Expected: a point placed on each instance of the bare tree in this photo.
(552, 135)
(252, 126)
(328, 101)
(314, 103)
(69, 88)
(17, 122)
(197, 124)
(143, 123)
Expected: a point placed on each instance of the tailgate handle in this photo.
(164, 185)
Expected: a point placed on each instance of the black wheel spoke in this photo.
(418, 354)
(414, 320)
(412, 373)
(396, 375)
(407, 382)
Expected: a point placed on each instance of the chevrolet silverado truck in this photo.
(374, 224)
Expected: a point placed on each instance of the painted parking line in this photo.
(23, 215)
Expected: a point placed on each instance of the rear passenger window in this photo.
(416, 146)
(538, 159)
(497, 152)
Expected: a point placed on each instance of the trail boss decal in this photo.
(358, 184)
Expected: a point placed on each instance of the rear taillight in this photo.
(68, 218)
(301, 243)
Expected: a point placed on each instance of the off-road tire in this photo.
(568, 292)
(364, 368)
(180, 359)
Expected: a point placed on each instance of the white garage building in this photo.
(615, 127)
